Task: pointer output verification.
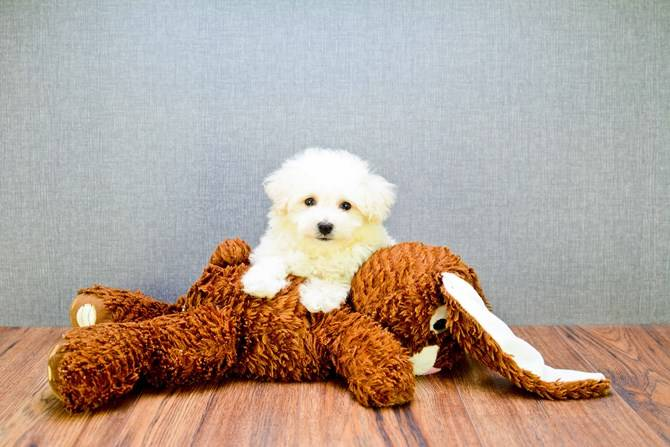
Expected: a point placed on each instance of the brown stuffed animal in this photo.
(216, 331)
(421, 294)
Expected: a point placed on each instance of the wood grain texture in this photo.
(639, 358)
(470, 406)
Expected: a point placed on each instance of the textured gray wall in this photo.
(531, 137)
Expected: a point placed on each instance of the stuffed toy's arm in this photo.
(375, 365)
(489, 340)
(100, 304)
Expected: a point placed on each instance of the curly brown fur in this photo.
(378, 371)
(398, 287)
(220, 331)
(216, 330)
(94, 365)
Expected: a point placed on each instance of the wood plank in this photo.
(469, 407)
(5, 330)
(30, 414)
(663, 332)
(239, 412)
(504, 415)
(639, 360)
(248, 413)
(9, 337)
(440, 411)
(23, 364)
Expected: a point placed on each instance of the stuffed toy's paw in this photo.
(88, 309)
(80, 366)
(396, 387)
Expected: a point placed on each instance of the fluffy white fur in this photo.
(292, 243)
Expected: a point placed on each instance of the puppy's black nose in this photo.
(325, 228)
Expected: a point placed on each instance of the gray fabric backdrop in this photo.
(531, 137)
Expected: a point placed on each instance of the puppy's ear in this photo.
(277, 187)
(377, 199)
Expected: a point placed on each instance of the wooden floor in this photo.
(470, 407)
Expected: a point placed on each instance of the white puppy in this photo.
(325, 221)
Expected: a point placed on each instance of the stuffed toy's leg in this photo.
(489, 340)
(99, 304)
(374, 364)
(96, 364)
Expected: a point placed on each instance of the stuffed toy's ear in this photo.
(489, 340)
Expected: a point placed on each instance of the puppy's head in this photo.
(328, 195)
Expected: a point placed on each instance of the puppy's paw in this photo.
(322, 296)
(260, 285)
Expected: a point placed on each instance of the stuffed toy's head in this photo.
(399, 288)
(433, 303)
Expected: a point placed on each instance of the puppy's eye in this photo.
(309, 201)
(346, 206)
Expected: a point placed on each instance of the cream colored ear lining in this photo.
(524, 355)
